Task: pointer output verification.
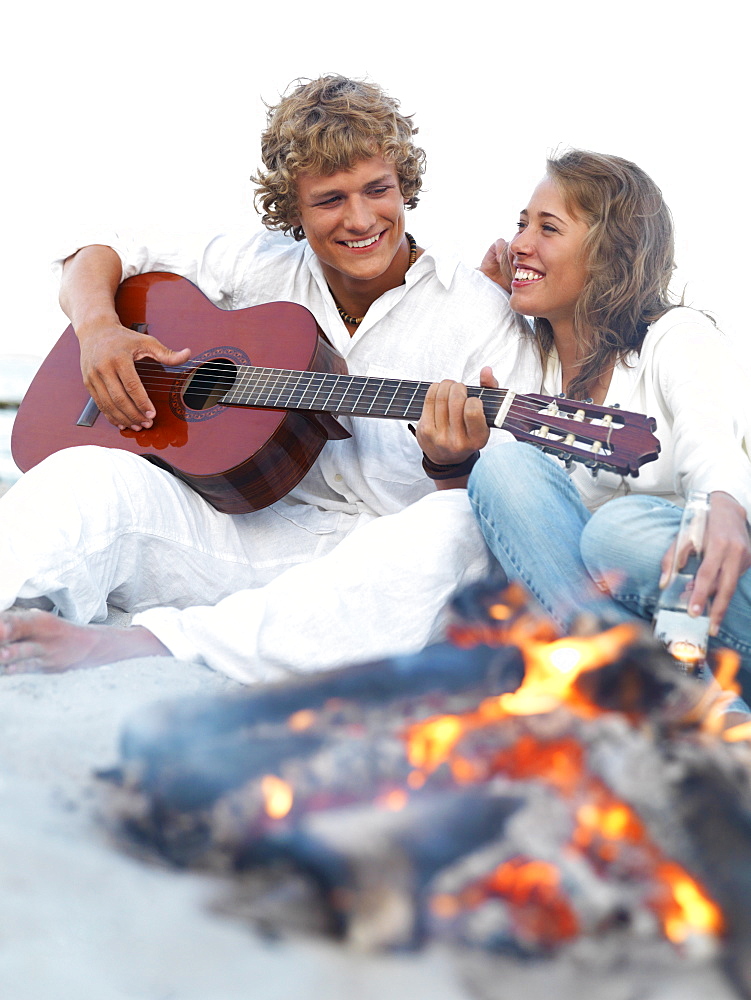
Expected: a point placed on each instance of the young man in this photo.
(361, 558)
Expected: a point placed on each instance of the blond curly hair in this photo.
(326, 125)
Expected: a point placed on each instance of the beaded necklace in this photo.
(356, 320)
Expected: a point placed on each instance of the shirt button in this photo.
(338, 478)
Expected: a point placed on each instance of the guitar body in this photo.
(261, 454)
(245, 418)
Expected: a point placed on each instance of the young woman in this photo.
(591, 265)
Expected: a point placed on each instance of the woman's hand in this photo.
(452, 425)
(727, 556)
(496, 265)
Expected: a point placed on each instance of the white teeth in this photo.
(361, 243)
(527, 275)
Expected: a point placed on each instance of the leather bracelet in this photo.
(436, 472)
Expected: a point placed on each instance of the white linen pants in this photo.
(256, 595)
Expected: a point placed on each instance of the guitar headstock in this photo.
(601, 437)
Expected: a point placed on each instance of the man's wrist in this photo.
(456, 471)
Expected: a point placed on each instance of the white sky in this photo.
(155, 116)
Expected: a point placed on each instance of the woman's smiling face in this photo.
(547, 257)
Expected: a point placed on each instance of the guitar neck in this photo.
(600, 436)
(355, 395)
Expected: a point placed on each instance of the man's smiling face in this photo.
(353, 219)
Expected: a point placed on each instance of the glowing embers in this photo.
(512, 790)
(278, 796)
(532, 891)
(606, 835)
(607, 832)
(683, 906)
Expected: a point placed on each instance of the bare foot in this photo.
(37, 642)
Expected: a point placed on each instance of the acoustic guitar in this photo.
(245, 418)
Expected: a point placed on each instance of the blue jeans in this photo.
(542, 535)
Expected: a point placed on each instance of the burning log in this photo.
(509, 789)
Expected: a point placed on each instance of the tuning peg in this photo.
(561, 395)
(616, 406)
(589, 400)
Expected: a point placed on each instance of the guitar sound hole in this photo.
(209, 383)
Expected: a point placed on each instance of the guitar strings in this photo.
(523, 409)
(559, 427)
(252, 378)
(289, 379)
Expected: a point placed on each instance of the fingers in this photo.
(716, 580)
(495, 265)
(489, 263)
(110, 375)
(715, 583)
(452, 426)
(727, 555)
(488, 379)
(119, 393)
(666, 566)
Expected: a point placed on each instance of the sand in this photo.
(82, 920)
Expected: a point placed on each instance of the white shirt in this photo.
(445, 321)
(688, 378)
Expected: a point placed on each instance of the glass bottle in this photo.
(685, 636)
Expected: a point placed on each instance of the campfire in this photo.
(514, 793)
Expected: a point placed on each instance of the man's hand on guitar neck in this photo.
(109, 350)
(453, 426)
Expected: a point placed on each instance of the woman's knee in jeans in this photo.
(624, 541)
(501, 465)
(520, 473)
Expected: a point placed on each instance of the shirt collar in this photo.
(431, 260)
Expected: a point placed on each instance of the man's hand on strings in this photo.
(91, 277)
(108, 356)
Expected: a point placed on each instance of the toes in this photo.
(17, 652)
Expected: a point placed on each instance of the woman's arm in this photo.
(727, 556)
(706, 392)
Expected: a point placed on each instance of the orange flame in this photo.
(551, 671)
(395, 800)
(737, 733)
(278, 796)
(302, 720)
(607, 830)
(686, 908)
(726, 665)
(533, 891)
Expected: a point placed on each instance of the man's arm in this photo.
(108, 350)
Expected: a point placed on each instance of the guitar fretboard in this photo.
(357, 395)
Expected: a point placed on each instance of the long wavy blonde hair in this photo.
(325, 125)
(630, 259)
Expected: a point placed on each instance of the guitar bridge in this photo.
(88, 414)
